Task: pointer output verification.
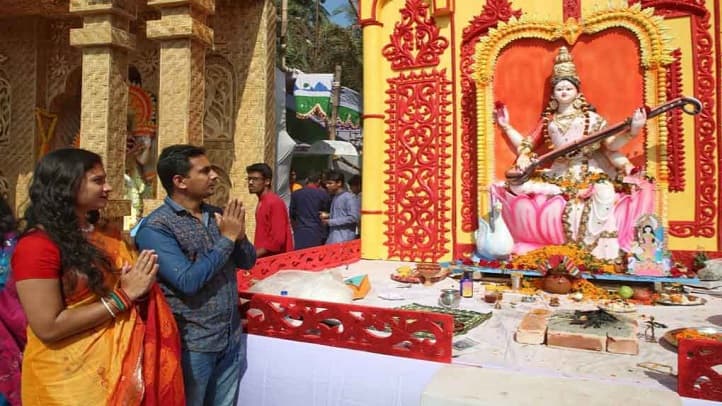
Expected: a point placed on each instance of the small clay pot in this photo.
(557, 284)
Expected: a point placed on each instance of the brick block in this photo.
(593, 341)
(624, 342)
(533, 327)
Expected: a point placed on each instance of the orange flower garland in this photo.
(586, 261)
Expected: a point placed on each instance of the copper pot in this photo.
(557, 284)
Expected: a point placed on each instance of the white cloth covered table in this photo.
(496, 349)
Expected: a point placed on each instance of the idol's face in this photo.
(565, 92)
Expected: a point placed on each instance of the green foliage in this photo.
(700, 257)
(315, 44)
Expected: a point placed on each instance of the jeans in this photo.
(212, 378)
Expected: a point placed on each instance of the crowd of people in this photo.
(324, 211)
(86, 318)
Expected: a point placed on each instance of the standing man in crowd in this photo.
(345, 210)
(273, 227)
(306, 205)
(293, 181)
(199, 248)
(354, 185)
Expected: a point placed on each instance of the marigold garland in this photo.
(584, 260)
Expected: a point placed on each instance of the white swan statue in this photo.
(493, 239)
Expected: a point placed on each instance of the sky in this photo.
(331, 5)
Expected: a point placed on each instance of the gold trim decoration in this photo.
(46, 123)
(655, 43)
(656, 54)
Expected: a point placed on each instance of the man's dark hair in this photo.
(314, 177)
(355, 180)
(175, 160)
(335, 176)
(261, 168)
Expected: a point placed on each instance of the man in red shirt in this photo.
(273, 228)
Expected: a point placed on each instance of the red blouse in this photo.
(36, 257)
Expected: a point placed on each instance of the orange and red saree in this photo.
(131, 360)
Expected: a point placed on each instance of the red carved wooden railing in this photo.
(310, 259)
(404, 333)
(698, 377)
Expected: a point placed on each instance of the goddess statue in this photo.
(140, 151)
(585, 178)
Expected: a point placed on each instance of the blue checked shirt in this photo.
(197, 268)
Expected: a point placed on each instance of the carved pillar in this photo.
(105, 42)
(183, 36)
(373, 209)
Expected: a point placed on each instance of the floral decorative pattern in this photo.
(675, 140)
(418, 161)
(415, 42)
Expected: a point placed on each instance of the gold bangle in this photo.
(524, 145)
(525, 142)
(107, 306)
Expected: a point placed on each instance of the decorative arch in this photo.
(494, 11)
(65, 108)
(655, 55)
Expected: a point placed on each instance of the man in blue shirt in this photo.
(199, 248)
(306, 205)
(345, 210)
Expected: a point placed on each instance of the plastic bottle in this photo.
(466, 285)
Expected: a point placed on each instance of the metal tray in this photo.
(700, 302)
(629, 309)
(670, 336)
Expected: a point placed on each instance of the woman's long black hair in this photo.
(8, 223)
(53, 197)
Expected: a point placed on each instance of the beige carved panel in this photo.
(63, 59)
(146, 57)
(18, 40)
(218, 123)
(245, 34)
(15, 8)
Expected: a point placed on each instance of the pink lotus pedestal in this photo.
(535, 220)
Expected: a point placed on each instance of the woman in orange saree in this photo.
(97, 336)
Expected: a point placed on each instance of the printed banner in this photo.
(312, 93)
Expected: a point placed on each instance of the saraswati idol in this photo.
(589, 193)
